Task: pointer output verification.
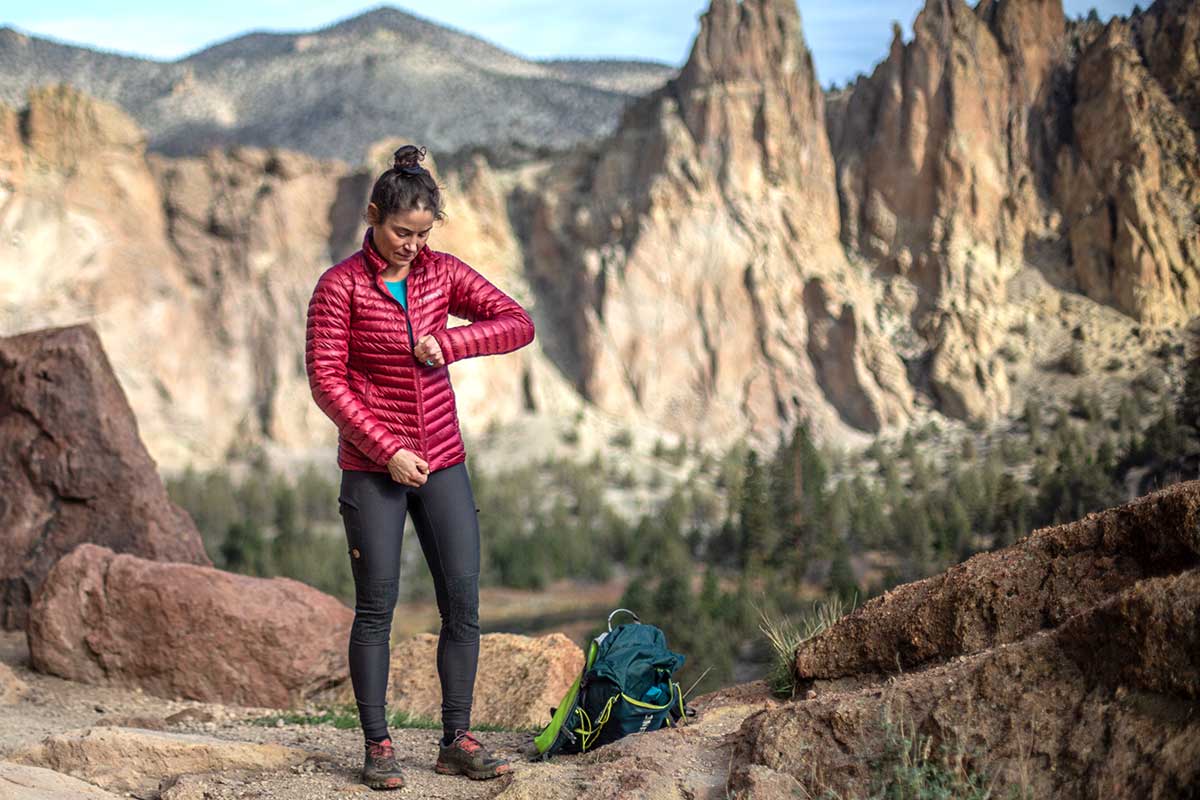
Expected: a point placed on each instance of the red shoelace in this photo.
(467, 742)
(381, 749)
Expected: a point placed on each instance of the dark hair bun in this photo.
(406, 185)
(408, 158)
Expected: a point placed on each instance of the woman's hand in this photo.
(408, 468)
(429, 352)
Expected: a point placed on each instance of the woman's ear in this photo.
(373, 214)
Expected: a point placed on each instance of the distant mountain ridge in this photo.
(384, 73)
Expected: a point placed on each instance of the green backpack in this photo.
(626, 687)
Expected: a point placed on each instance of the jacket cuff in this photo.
(389, 450)
(444, 341)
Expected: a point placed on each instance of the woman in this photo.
(377, 350)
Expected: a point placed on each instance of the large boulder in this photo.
(1066, 665)
(180, 630)
(520, 678)
(1007, 595)
(72, 468)
(1106, 705)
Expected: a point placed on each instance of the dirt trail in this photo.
(690, 762)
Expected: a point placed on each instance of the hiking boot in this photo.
(466, 755)
(380, 770)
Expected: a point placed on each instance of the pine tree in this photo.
(256, 499)
(783, 488)
(287, 510)
(813, 474)
(838, 518)
(244, 550)
(217, 509)
(317, 496)
(1033, 420)
(869, 524)
(956, 534)
(725, 548)
(841, 577)
(915, 534)
(1187, 410)
(756, 527)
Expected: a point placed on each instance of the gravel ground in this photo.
(691, 761)
(53, 705)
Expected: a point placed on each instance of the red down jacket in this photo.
(359, 358)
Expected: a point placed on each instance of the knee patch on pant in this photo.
(374, 603)
(461, 621)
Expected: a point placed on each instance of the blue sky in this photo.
(845, 37)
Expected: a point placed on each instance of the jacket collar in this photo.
(376, 263)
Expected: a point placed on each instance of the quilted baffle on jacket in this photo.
(359, 355)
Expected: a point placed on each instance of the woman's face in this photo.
(402, 235)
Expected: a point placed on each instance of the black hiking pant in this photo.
(373, 508)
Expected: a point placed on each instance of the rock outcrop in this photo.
(135, 760)
(941, 156)
(179, 630)
(25, 782)
(1005, 596)
(519, 680)
(1067, 665)
(215, 258)
(1129, 183)
(72, 468)
(671, 260)
(1002, 129)
(936, 172)
(1166, 34)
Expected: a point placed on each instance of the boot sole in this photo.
(384, 783)
(473, 774)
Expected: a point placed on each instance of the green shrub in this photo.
(914, 768)
(784, 636)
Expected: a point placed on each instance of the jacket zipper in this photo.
(412, 346)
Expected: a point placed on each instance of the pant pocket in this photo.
(351, 520)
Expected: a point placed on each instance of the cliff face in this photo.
(678, 255)
(703, 231)
(1129, 183)
(935, 166)
(1005, 136)
(743, 251)
(939, 154)
(191, 270)
(197, 272)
